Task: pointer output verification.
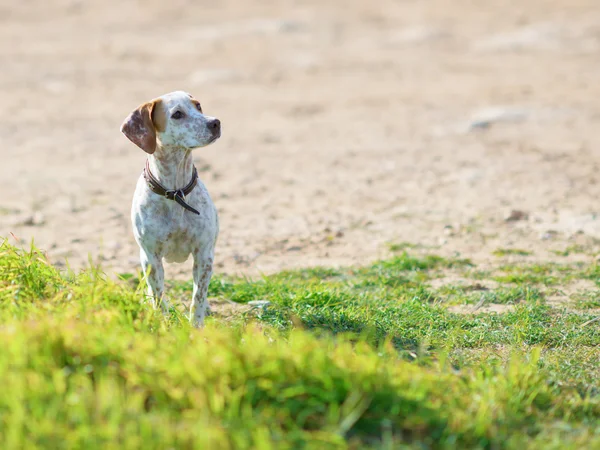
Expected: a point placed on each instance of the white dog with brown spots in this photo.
(173, 216)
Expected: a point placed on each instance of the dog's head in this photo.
(173, 120)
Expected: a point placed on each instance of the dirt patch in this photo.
(226, 309)
(466, 285)
(479, 309)
(568, 294)
(345, 127)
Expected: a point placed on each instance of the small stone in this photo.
(575, 234)
(516, 214)
(548, 234)
(36, 219)
(485, 118)
(480, 125)
(262, 304)
(449, 230)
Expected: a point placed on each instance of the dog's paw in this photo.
(197, 321)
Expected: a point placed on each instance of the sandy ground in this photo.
(347, 125)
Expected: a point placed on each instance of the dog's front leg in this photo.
(155, 277)
(203, 263)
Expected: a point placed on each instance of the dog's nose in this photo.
(214, 126)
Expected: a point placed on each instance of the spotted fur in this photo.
(168, 129)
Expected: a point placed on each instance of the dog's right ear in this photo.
(139, 127)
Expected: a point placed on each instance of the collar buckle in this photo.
(172, 193)
(178, 195)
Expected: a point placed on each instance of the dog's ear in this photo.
(139, 127)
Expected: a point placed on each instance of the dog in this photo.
(172, 213)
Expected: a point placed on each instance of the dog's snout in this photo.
(214, 126)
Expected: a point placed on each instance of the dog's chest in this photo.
(166, 229)
(179, 244)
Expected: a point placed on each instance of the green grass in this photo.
(511, 251)
(570, 250)
(587, 300)
(477, 294)
(362, 358)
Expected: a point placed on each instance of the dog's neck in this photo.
(172, 166)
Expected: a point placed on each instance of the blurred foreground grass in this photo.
(359, 358)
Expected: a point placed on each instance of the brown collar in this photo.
(172, 194)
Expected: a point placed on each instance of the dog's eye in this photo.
(199, 107)
(177, 115)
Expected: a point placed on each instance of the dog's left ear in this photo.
(139, 127)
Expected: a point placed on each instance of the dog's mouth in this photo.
(214, 138)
